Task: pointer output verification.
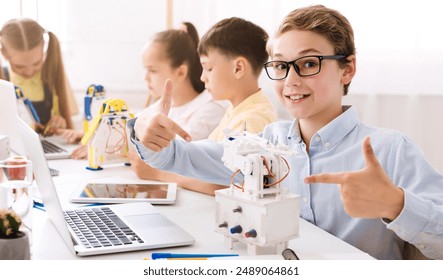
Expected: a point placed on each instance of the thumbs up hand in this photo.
(156, 130)
(367, 193)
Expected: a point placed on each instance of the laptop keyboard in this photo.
(49, 147)
(100, 227)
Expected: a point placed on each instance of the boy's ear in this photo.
(182, 72)
(240, 66)
(350, 70)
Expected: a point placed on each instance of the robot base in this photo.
(264, 225)
(94, 168)
(253, 250)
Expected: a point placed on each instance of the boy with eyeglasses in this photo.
(370, 187)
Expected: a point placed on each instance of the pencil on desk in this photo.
(47, 128)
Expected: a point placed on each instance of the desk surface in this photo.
(193, 211)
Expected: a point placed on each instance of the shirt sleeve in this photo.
(204, 120)
(197, 159)
(421, 220)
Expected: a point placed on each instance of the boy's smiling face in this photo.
(315, 98)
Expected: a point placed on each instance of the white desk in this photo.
(193, 211)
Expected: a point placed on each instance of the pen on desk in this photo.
(186, 259)
(39, 206)
(156, 256)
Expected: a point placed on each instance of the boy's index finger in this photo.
(173, 127)
(166, 100)
(181, 132)
(325, 178)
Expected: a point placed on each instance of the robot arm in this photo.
(259, 212)
(107, 136)
(93, 91)
(261, 163)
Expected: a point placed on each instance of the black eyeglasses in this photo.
(304, 66)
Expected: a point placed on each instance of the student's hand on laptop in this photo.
(81, 152)
(156, 131)
(56, 122)
(71, 136)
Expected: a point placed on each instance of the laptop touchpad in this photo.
(147, 221)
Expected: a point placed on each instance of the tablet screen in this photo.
(131, 191)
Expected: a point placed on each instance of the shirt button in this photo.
(317, 138)
(305, 199)
(327, 144)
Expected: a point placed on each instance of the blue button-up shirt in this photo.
(336, 148)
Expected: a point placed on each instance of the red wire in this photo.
(269, 171)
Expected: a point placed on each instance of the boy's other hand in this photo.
(156, 131)
(141, 168)
(367, 193)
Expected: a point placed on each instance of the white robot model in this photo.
(107, 137)
(258, 212)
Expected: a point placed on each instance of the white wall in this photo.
(105, 40)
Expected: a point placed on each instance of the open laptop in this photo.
(52, 149)
(136, 226)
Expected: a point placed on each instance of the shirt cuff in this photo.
(412, 219)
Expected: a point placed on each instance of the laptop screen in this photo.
(34, 152)
(8, 112)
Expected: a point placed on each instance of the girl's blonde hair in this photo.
(25, 34)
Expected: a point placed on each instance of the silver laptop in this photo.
(102, 229)
(53, 150)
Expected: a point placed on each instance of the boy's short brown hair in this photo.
(237, 37)
(324, 21)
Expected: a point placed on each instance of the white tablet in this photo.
(106, 192)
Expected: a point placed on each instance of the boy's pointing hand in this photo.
(366, 193)
(156, 131)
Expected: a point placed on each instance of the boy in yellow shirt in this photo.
(232, 54)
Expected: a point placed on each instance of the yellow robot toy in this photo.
(107, 137)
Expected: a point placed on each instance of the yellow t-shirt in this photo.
(33, 90)
(255, 112)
